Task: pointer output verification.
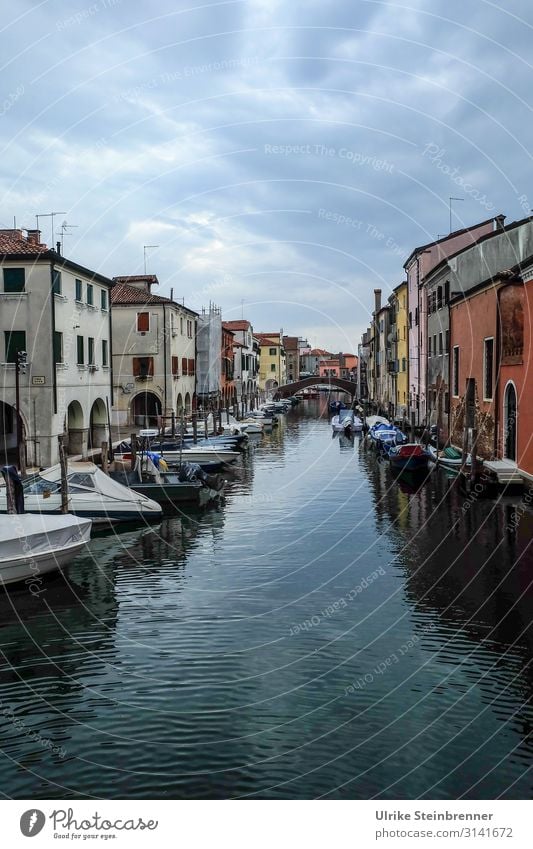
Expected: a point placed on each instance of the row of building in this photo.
(461, 316)
(107, 352)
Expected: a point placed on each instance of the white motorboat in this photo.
(374, 420)
(191, 453)
(91, 494)
(343, 421)
(31, 545)
(252, 425)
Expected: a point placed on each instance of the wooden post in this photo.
(105, 459)
(195, 427)
(173, 424)
(469, 417)
(220, 421)
(413, 424)
(439, 414)
(133, 440)
(64, 474)
(206, 431)
(10, 495)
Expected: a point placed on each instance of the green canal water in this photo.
(327, 632)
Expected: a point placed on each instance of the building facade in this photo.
(246, 361)
(272, 361)
(208, 356)
(154, 357)
(291, 345)
(230, 348)
(418, 266)
(58, 312)
(398, 352)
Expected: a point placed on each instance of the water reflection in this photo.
(329, 631)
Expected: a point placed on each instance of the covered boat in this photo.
(91, 494)
(190, 485)
(344, 421)
(34, 545)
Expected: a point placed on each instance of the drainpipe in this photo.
(53, 318)
(165, 340)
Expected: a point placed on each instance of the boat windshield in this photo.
(38, 485)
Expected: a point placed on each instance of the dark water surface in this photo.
(328, 632)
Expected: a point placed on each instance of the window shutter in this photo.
(184, 370)
(175, 366)
(191, 367)
(143, 322)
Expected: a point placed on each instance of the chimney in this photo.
(377, 300)
(499, 222)
(58, 247)
(34, 237)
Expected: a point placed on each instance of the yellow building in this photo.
(272, 361)
(398, 301)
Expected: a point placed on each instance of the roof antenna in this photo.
(63, 231)
(49, 215)
(147, 248)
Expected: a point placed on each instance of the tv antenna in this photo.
(64, 231)
(148, 248)
(49, 215)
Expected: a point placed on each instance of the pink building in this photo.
(419, 264)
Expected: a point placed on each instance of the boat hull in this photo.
(40, 547)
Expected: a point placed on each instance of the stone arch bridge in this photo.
(289, 389)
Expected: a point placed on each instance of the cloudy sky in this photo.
(288, 155)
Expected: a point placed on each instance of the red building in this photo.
(491, 340)
(227, 383)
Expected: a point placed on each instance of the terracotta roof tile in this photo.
(241, 324)
(124, 294)
(13, 242)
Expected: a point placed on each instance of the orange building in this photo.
(491, 340)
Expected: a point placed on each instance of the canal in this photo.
(327, 632)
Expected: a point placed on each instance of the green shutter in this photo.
(103, 299)
(15, 340)
(79, 292)
(14, 279)
(79, 340)
(56, 282)
(58, 347)
(104, 352)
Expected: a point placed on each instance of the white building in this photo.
(58, 312)
(209, 356)
(154, 354)
(246, 360)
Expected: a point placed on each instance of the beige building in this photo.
(272, 361)
(58, 312)
(154, 353)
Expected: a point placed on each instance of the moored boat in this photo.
(410, 457)
(91, 494)
(34, 545)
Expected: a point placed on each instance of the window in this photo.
(435, 344)
(143, 367)
(90, 294)
(404, 367)
(15, 340)
(191, 368)
(79, 347)
(175, 366)
(455, 376)
(439, 297)
(488, 369)
(447, 342)
(184, 370)
(56, 282)
(79, 290)
(189, 328)
(447, 291)
(429, 346)
(181, 325)
(14, 279)
(272, 352)
(440, 343)
(410, 319)
(143, 322)
(273, 367)
(103, 299)
(416, 317)
(105, 352)
(58, 347)
(90, 351)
